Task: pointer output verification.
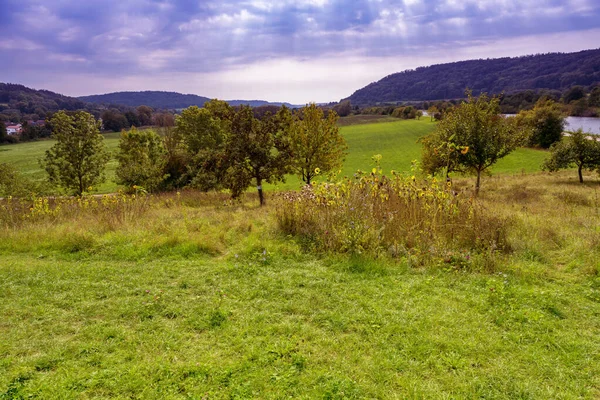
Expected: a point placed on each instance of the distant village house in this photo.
(14, 129)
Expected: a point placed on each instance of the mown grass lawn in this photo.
(193, 298)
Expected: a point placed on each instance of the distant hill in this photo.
(164, 100)
(19, 102)
(554, 71)
(19, 97)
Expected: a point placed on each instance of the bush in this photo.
(399, 215)
(141, 160)
(12, 183)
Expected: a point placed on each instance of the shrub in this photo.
(141, 159)
(400, 215)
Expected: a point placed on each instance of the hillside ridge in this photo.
(549, 71)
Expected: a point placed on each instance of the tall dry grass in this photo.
(399, 215)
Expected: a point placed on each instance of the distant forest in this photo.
(154, 99)
(550, 72)
(18, 102)
(164, 100)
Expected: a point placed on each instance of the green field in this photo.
(189, 296)
(192, 299)
(396, 141)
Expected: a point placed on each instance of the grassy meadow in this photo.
(189, 296)
(396, 140)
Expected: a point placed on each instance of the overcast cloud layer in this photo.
(296, 51)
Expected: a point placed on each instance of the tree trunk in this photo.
(261, 196)
(80, 186)
(579, 168)
(478, 183)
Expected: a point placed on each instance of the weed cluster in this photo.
(400, 215)
(109, 211)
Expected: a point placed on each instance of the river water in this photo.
(589, 125)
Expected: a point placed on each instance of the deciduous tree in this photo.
(204, 139)
(257, 150)
(316, 143)
(77, 160)
(474, 136)
(545, 121)
(579, 149)
(142, 159)
(145, 115)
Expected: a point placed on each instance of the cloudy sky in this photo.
(285, 50)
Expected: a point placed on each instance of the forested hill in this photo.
(556, 71)
(19, 97)
(154, 99)
(18, 102)
(163, 100)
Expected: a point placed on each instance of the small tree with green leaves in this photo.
(315, 143)
(77, 160)
(545, 121)
(577, 150)
(257, 150)
(142, 159)
(472, 137)
(203, 136)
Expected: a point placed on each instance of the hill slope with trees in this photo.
(553, 71)
(20, 102)
(164, 100)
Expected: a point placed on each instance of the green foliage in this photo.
(578, 149)
(203, 138)
(315, 143)
(77, 160)
(408, 112)
(132, 118)
(257, 150)
(3, 133)
(13, 183)
(573, 94)
(142, 160)
(113, 120)
(556, 72)
(145, 115)
(188, 298)
(594, 98)
(546, 122)
(472, 137)
(400, 216)
(343, 109)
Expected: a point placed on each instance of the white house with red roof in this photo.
(14, 129)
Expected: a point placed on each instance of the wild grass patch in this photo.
(401, 216)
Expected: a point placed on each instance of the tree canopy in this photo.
(579, 149)
(472, 137)
(554, 71)
(141, 159)
(77, 160)
(546, 122)
(316, 143)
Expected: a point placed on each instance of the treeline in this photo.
(555, 71)
(165, 100)
(577, 101)
(217, 147)
(154, 99)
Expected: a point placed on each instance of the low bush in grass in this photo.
(107, 211)
(424, 220)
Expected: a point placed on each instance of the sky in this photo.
(297, 51)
